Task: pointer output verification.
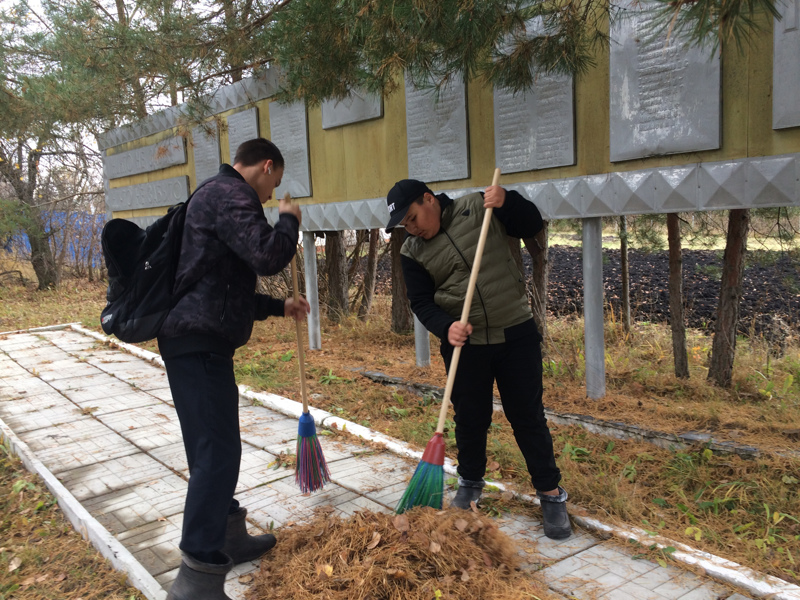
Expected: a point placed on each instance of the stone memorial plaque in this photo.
(356, 107)
(665, 96)
(535, 130)
(205, 144)
(164, 154)
(786, 66)
(289, 128)
(155, 194)
(436, 133)
(242, 126)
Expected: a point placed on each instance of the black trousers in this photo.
(207, 401)
(517, 368)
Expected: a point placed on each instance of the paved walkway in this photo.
(102, 421)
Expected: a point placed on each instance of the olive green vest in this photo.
(499, 300)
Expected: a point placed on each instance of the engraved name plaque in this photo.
(786, 66)
(665, 96)
(165, 154)
(436, 133)
(535, 130)
(205, 144)
(356, 107)
(242, 126)
(154, 194)
(289, 128)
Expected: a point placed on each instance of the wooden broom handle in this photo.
(473, 280)
(299, 327)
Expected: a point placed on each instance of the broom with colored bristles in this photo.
(426, 487)
(311, 472)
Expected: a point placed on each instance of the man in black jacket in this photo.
(499, 343)
(227, 243)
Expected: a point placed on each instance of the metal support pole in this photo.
(312, 290)
(594, 351)
(422, 344)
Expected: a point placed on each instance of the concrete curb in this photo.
(718, 568)
(83, 522)
(616, 429)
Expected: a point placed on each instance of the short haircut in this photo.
(254, 151)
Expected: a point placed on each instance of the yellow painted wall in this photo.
(363, 160)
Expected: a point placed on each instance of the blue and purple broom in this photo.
(311, 472)
(426, 487)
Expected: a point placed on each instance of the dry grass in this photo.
(745, 510)
(42, 557)
(419, 555)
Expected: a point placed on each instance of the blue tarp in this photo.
(79, 239)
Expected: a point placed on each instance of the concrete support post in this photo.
(594, 351)
(312, 290)
(422, 344)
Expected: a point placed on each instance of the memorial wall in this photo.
(655, 126)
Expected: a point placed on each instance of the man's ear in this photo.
(267, 167)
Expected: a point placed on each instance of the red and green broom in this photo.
(426, 487)
(311, 472)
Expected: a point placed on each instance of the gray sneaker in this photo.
(468, 492)
(554, 515)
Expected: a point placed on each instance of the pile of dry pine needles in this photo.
(423, 554)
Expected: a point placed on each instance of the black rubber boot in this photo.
(240, 545)
(468, 492)
(554, 515)
(200, 581)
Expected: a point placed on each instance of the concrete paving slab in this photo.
(121, 473)
(12, 388)
(65, 369)
(172, 456)
(147, 427)
(138, 505)
(259, 467)
(379, 477)
(29, 413)
(8, 368)
(76, 444)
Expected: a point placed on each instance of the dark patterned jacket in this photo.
(227, 242)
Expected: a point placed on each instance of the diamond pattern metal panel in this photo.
(337, 216)
(229, 97)
(634, 193)
(675, 189)
(772, 182)
(600, 195)
(722, 185)
(537, 193)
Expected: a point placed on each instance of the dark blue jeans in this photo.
(207, 401)
(517, 368)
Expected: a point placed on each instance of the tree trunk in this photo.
(402, 317)
(626, 277)
(42, 259)
(336, 267)
(723, 349)
(370, 275)
(676, 317)
(538, 249)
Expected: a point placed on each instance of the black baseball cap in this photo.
(400, 198)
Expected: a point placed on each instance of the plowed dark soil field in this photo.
(771, 286)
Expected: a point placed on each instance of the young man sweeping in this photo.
(227, 242)
(499, 343)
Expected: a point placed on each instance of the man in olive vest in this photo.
(500, 342)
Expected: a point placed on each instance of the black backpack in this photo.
(142, 264)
